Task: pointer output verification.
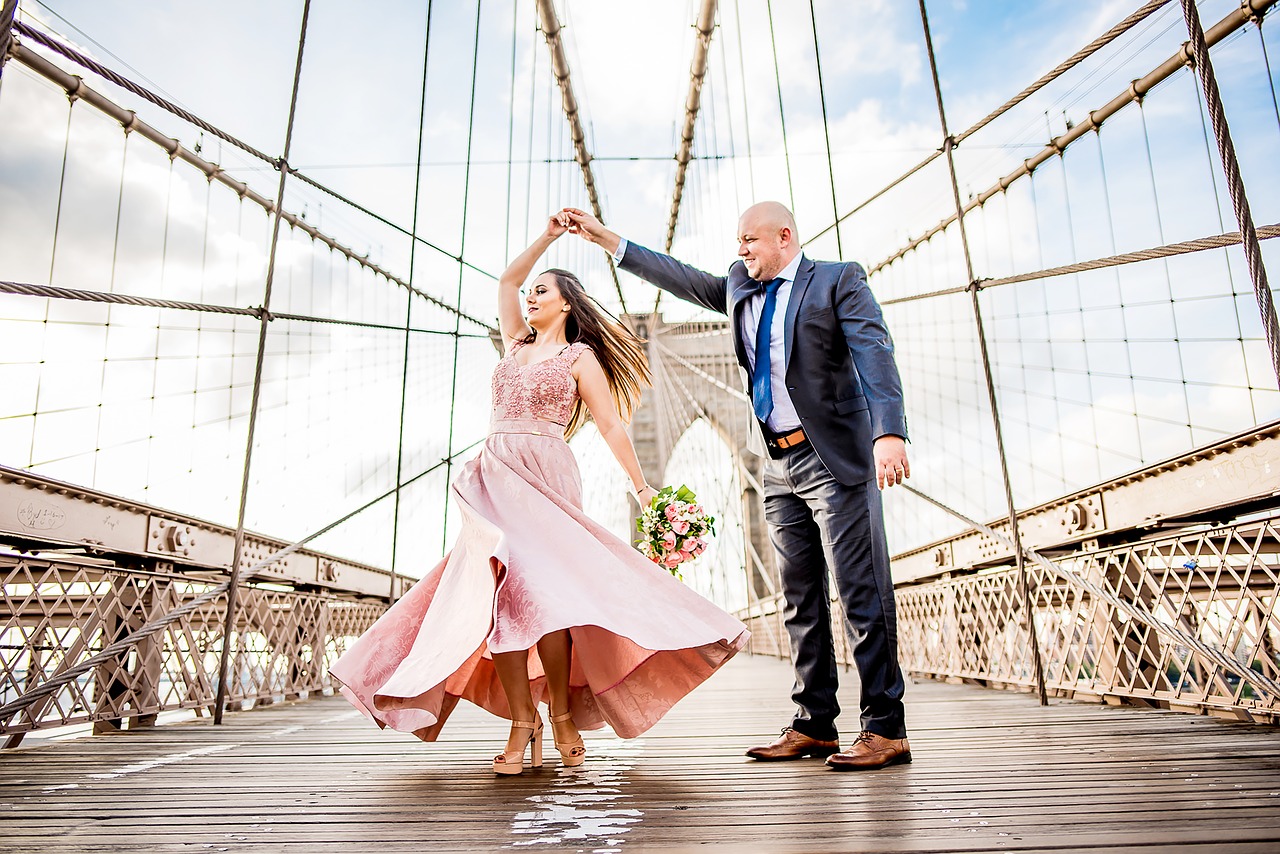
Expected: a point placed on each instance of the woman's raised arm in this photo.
(510, 317)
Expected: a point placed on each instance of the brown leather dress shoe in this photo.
(871, 751)
(794, 745)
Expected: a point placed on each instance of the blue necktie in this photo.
(761, 387)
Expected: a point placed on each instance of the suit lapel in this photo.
(803, 276)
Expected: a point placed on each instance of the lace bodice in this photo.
(544, 391)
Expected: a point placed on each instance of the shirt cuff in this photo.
(621, 250)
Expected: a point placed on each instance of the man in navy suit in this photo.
(828, 402)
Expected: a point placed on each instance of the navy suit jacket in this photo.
(840, 371)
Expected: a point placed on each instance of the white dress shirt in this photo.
(783, 418)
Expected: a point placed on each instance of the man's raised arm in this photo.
(676, 277)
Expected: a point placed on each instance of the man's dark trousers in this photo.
(815, 522)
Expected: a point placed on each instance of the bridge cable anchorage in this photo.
(1141, 14)
(274, 162)
(1235, 183)
(705, 26)
(1139, 612)
(948, 146)
(560, 69)
(1134, 93)
(1199, 244)
(225, 658)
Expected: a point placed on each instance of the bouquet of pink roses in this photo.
(674, 528)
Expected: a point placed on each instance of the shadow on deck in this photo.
(993, 772)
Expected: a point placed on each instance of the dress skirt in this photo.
(528, 562)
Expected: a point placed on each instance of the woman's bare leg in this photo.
(513, 673)
(555, 650)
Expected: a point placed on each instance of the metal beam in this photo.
(1206, 485)
(41, 514)
(560, 68)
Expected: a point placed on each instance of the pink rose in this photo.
(669, 539)
(670, 512)
(680, 526)
(673, 560)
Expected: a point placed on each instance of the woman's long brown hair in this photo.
(618, 351)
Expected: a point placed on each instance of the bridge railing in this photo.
(1185, 621)
(80, 615)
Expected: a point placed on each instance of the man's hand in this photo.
(890, 454)
(591, 229)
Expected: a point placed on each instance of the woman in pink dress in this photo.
(536, 601)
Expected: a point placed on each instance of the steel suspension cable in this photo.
(746, 114)
(782, 113)
(264, 322)
(948, 144)
(107, 74)
(408, 312)
(1136, 91)
(826, 128)
(466, 196)
(1235, 183)
(1066, 65)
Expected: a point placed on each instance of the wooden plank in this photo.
(993, 771)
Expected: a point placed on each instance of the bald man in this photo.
(827, 400)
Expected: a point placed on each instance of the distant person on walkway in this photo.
(828, 403)
(536, 601)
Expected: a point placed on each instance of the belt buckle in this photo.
(786, 442)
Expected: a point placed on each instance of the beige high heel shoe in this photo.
(573, 753)
(512, 761)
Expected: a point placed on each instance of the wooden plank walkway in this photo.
(993, 772)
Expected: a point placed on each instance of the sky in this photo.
(1097, 374)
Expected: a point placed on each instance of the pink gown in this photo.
(527, 562)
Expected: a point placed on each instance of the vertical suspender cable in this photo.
(511, 125)
(1235, 183)
(1266, 63)
(53, 257)
(265, 319)
(826, 129)
(408, 311)
(746, 114)
(782, 114)
(462, 251)
(948, 144)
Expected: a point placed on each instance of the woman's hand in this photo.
(558, 224)
(646, 495)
